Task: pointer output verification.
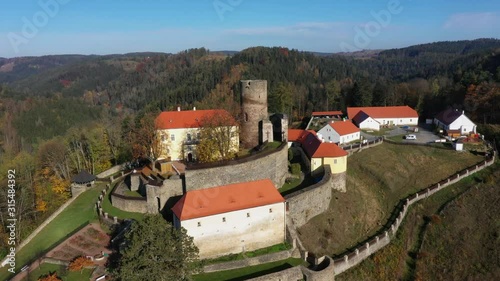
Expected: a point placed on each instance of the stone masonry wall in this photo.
(307, 203)
(272, 166)
(290, 274)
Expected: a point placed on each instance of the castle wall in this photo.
(254, 110)
(162, 198)
(307, 203)
(265, 165)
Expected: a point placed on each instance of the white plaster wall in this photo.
(464, 124)
(239, 232)
(349, 138)
(369, 123)
(398, 121)
(329, 134)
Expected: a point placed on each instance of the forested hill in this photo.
(427, 76)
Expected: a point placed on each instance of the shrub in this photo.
(295, 168)
(79, 263)
(49, 277)
(290, 154)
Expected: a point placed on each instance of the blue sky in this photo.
(40, 27)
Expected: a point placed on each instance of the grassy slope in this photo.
(377, 179)
(80, 211)
(466, 243)
(397, 260)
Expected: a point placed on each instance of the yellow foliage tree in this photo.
(80, 263)
(50, 277)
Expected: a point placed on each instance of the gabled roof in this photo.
(83, 177)
(298, 135)
(384, 112)
(315, 148)
(449, 116)
(360, 117)
(344, 127)
(190, 118)
(327, 113)
(227, 198)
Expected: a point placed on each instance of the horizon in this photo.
(57, 27)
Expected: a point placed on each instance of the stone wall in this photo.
(162, 198)
(265, 165)
(129, 204)
(290, 274)
(323, 271)
(309, 202)
(283, 255)
(109, 172)
(354, 257)
(339, 181)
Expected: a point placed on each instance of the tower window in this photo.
(246, 117)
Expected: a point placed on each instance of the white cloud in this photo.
(472, 21)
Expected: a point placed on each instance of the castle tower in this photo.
(254, 111)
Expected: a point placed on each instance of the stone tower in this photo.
(254, 111)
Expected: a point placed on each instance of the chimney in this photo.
(194, 108)
(463, 112)
(178, 108)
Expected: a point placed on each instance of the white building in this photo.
(373, 118)
(340, 132)
(179, 131)
(233, 218)
(455, 123)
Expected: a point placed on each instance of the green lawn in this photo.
(80, 211)
(132, 193)
(249, 272)
(290, 185)
(264, 251)
(62, 272)
(112, 211)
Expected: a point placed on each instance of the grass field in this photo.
(398, 260)
(80, 211)
(377, 179)
(249, 272)
(264, 251)
(61, 273)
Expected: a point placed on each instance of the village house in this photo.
(319, 151)
(178, 132)
(455, 123)
(233, 218)
(327, 114)
(339, 132)
(373, 118)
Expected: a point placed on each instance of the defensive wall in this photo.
(354, 257)
(268, 164)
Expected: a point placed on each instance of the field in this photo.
(76, 214)
(404, 259)
(377, 179)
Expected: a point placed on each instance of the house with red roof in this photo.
(373, 118)
(178, 131)
(319, 151)
(340, 132)
(232, 218)
(455, 123)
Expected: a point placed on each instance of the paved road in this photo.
(424, 134)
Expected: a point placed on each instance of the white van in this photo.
(411, 137)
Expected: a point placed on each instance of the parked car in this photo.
(410, 137)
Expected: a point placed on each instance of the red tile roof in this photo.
(327, 113)
(344, 127)
(189, 118)
(315, 148)
(384, 112)
(228, 198)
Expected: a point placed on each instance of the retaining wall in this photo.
(264, 165)
(309, 202)
(371, 246)
(283, 255)
(290, 274)
(109, 172)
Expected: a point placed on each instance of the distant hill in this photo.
(360, 54)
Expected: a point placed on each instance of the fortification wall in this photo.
(339, 181)
(162, 198)
(311, 201)
(265, 165)
(129, 204)
(322, 272)
(254, 110)
(354, 257)
(110, 171)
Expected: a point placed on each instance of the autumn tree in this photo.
(80, 263)
(156, 251)
(146, 142)
(218, 137)
(50, 277)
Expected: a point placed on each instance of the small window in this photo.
(410, 120)
(198, 136)
(270, 210)
(224, 219)
(172, 137)
(189, 137)
(199, 224)
(334, 161)
(248, 215)
(246, 117)
(163, 138)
